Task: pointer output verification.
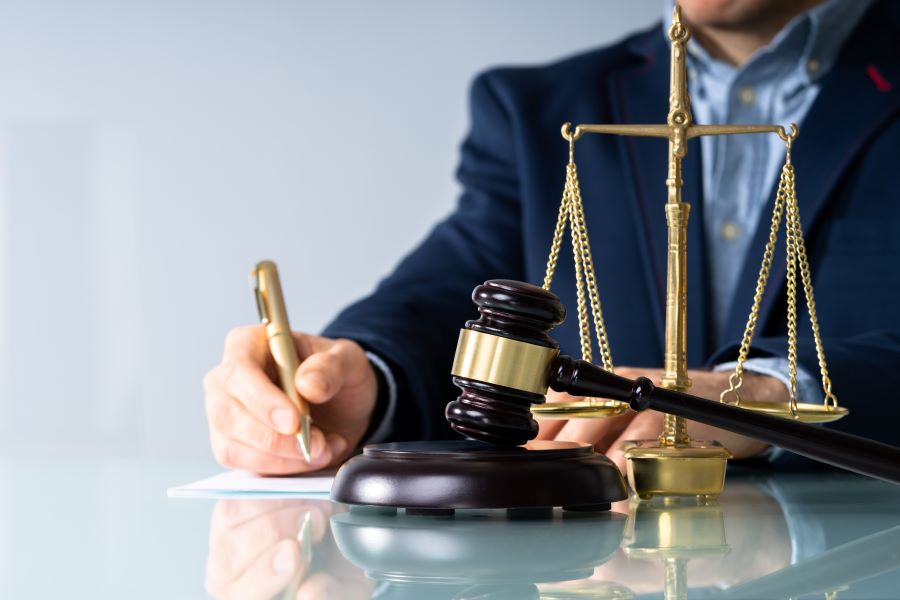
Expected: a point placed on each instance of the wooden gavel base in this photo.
(439, 477)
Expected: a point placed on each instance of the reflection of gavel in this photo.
(506, 360)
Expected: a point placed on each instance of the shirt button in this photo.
(729, 231)
(747, 95)
(813, 66)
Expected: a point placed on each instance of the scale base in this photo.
(696, 469)
(436, 478)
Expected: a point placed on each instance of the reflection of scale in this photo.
(669, 531)
(674, 533)
(657, 467)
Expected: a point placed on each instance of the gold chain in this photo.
(736, 379)
(785, 205)
(791, 252)
(806, 277)
(578, 224)
(557, 237)
(584, 325)
(571, 212)
(561, 220)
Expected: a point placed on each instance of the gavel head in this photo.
(502, 362)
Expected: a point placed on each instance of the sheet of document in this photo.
(239, 483)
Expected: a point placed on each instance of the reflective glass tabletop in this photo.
(106, 530)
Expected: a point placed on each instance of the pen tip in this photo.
(304, 441)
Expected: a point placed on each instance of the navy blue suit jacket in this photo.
(512, 170)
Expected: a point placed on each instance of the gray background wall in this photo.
(151, 152)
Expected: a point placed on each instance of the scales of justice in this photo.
(506, 360)
(653, 467)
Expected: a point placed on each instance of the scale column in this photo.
(673, 464)
(679, 120)
(675, 376)
(675, 582)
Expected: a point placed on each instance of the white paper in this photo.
(247, 485)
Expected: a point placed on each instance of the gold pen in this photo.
(273, 314)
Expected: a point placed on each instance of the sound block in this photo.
(442, 476)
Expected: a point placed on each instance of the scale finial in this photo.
(677, 31)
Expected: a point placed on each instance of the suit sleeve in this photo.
(865, 376)
(412, 319)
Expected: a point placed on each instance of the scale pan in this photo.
(806, 413)
(589, 408)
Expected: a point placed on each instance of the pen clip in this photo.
(262, 306)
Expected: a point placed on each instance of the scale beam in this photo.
(703, 130)
(669, 132)
(660, 131)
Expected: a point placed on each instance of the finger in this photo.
(266, 576)
(597, 432)
(338, 445)
(645, 426)
(230, 418)
(550, 428)
(307, 345)
(246, 343)
(323, 374)
(236, 455)
(233, 553)
(246, 381)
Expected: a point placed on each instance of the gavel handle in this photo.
(844, 450)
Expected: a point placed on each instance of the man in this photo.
(381, 371)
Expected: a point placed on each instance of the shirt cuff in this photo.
(808, 390)
(384, 429)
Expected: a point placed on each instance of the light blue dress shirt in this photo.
(778, 84)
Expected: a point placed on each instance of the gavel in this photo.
(506, 360)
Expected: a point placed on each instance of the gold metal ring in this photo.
(502, 361)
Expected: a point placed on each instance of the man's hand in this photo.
(256, 552)
(252, 423)
(254, 549)
(607, 435)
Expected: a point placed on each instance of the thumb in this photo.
(323, 374)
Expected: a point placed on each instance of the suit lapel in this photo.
(860, 93)
(640, 95)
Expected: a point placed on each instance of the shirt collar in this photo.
(810, 42)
